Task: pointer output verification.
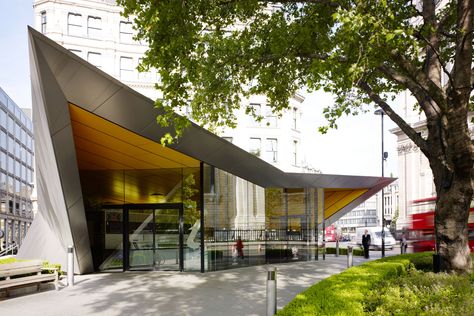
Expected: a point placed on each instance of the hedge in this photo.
(343, 293)
(343, 251)
(8, 260)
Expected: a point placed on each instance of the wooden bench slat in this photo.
(21, 270)
(26, 280)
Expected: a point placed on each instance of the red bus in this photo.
(422, 233)
(331, 233)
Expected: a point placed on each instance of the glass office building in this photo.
(108, 187)
(16, 172)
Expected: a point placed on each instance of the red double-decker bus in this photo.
(331, 233)
(422, 230)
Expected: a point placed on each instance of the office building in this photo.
(16, 172)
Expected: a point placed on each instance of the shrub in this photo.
(343, 251)
(344, 293)
(47, 265)
(8, 260)
(428, 294)
(423, 261)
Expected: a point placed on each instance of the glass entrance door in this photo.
(141, 239)
(167, 239)
(155, 237)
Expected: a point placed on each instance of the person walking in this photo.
(366, 243)
(239, 245)
(404, 243)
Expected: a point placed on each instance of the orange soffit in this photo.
(101, 144)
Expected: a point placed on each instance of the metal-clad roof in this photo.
(93, 90)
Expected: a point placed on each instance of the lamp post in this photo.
(384, 157)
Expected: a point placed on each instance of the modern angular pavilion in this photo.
(107, 186)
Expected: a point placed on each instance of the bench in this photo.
(23, 273)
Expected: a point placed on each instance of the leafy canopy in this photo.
(211, 54)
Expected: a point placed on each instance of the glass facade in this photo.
(141, 199)
(275, 225)
(151, 207)
(16, 172)
(143, 219)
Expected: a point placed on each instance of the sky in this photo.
(15, 15)
(353, 149)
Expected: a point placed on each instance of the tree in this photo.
(216, 52)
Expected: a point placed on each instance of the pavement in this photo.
(240, 291)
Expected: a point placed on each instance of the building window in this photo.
(270, 117)
(77, 52)
(43, 22)
(3, 118)
(255, 112)
(126, 32)
(272, 149)
(295, 153)
(255, 146)
(74, 24)
(295, 118)
(145, 76)
(3, 140)
(94, 59)
(94, 27)
(127, 68)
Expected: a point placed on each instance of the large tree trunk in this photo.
(451, 159)
(452, 213)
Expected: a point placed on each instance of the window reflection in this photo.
(275, 225)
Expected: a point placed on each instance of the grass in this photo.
(350, 292)
(8, 260)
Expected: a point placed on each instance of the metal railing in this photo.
(10, 250)
(224, 235)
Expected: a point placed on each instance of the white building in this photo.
(95, 30)
(415, 175)
(364, 215)
(390, 204)
(275, 140)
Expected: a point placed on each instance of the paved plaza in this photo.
(230, 292)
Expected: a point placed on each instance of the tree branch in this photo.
(407, 82)
(462, 71)
(432, 63)
(443, 65)
(435, 92)
(404, 126)
(472, 78)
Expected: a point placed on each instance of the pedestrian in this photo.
(366, 243)
(239, 245)
(404, 243)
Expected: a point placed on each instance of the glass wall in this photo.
(274, 225)
(115, 200)
(16, 172)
